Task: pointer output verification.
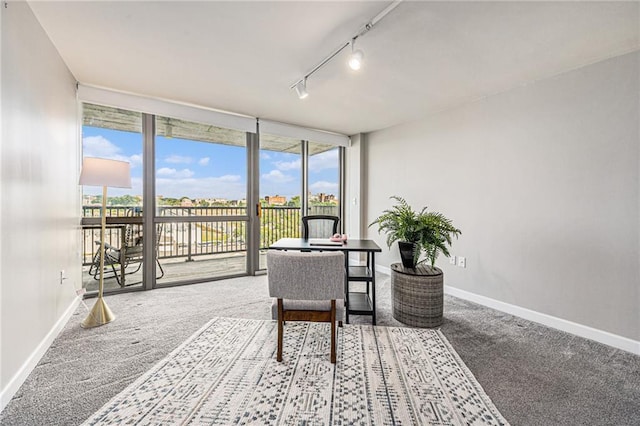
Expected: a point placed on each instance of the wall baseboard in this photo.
(384, 269)
(610, 339)
(581, 330)
(18, 379)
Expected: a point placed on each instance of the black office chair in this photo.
(319, 226)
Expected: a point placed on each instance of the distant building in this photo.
(327, 198)
(91, 200)
(275, 200)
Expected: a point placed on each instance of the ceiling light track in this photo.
(355, 59)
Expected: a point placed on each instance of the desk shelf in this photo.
(360, 303)
(360, 273)
(364, 302)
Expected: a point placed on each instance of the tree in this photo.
(294, 201)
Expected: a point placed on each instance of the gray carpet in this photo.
(533, 374)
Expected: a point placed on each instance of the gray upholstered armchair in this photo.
(307, 286)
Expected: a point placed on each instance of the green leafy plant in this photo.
(431, 232)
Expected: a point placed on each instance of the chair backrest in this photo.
(134, 238)
(319, 226)
(306, 275)
(133, 230)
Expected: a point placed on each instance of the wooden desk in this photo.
(356, 303)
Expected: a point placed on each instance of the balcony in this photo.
(187, 250)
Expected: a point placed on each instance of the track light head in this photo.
(356, 57)
(355, 60)
(301, 89)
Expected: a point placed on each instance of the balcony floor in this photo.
(178, 269)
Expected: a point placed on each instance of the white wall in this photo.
(543, 181)
(40, 211)
(353, 225)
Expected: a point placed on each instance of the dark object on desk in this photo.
(319, 226)
(306, 287)
(324, 242)
(357, 302)
(417, 295)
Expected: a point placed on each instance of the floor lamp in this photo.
(104, 173)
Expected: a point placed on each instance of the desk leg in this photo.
(373, 287)
(346, 288)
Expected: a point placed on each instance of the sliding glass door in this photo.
(194, 226)
(114, 134)
(201, 207)
(280, 183)
(324, 179)
(297, 178)
(207, 201)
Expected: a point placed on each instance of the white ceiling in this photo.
(242, 57)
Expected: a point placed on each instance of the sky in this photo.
(192, 169)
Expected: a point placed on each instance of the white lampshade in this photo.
(104, 172)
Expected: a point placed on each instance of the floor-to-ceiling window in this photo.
(199, 213)
(280, 186)
(297, 178)
(201, 206)
(214, 199)
(114, 134)
(323, 179)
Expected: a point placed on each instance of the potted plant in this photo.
(417, 233)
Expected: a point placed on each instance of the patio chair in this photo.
(306, 286)
(319, 226)
(128, 258)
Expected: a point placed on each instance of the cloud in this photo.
(324, 186)
(277, 176)
(231, 187)
(101, 147)
(288, 165)
(178, 159)
(265, 156)
(227, 179)
(136, 160)
(204, 161)
(324, 160)
(173, 173)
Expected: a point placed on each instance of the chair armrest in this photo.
(107, 246)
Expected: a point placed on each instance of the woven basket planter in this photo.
(417, 295)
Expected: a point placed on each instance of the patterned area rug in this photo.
(226, 374)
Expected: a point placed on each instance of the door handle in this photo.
(258, 210)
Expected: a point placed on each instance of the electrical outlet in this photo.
(452, 260)
(462, 262)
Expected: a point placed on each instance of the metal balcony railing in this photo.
(197, 238)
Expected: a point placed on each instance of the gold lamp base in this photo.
(100, 314)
